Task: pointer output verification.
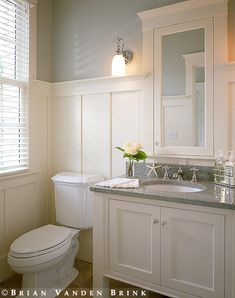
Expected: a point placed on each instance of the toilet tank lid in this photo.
(76, 178)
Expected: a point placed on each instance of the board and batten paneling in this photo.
(66, 135)
(90, 118)
(19, 212)
(224, 108)
(17, 222)
(127, 125)
(96, 134)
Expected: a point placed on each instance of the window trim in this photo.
(27, 87)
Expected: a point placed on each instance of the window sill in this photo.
(17, 173)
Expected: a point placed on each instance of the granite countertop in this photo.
(212, 196)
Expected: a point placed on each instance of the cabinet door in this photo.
(192, 252)
(134, 240)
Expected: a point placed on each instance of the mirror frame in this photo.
(159, 149)
(178, 13)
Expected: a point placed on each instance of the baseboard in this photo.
(5, 270)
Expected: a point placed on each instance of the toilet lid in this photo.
(40, 239)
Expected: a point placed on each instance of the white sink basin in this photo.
(167, 187)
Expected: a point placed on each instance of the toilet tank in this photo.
(73, 199)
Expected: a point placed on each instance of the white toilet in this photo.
(45, 256)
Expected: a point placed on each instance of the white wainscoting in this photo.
(66, 133)
(90, 118)
(96, 133)
(224, 107)
(24, 196)
(19, 202)
(127, 124)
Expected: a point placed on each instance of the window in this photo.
(14, 79)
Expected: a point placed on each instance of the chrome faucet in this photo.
(166, 174)
(194, 177)
(179, 174)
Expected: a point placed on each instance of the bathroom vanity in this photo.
(180, 244)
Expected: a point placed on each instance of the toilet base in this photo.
(66, 280)
(51, 277)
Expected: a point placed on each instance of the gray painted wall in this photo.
(76, 38)
(84, 33)
(44, 40)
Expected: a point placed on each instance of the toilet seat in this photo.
(40, 245)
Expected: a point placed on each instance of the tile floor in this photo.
(82, 282)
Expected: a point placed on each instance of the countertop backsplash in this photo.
(204, 173)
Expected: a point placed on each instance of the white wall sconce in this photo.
(121, 58)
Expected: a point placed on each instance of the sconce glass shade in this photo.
(118, 65)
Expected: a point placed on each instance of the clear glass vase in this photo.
(130, 168)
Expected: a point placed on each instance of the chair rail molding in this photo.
(98, 85)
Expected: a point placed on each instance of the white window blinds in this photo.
(14, 77)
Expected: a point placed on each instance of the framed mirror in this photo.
(183, 89)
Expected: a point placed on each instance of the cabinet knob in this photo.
(164, 224)
(155, 221)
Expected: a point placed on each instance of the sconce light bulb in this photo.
(118, 65)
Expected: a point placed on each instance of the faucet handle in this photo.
(166, 174)
(180, 170)
(194, 177)
(179, 174)
(166, 167)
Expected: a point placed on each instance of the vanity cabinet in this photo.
(192, 252)
(179, 249)
(168, 250)
(134, 240)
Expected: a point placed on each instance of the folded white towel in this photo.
(120, 183)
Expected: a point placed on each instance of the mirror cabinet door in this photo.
(183, 88)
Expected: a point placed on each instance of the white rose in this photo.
(131, 150)
(126, 145)
(137, 146)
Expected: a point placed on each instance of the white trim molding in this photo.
(33, 2)
(229, 66)
(98, 85)
(42, 88)
(184, 11)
